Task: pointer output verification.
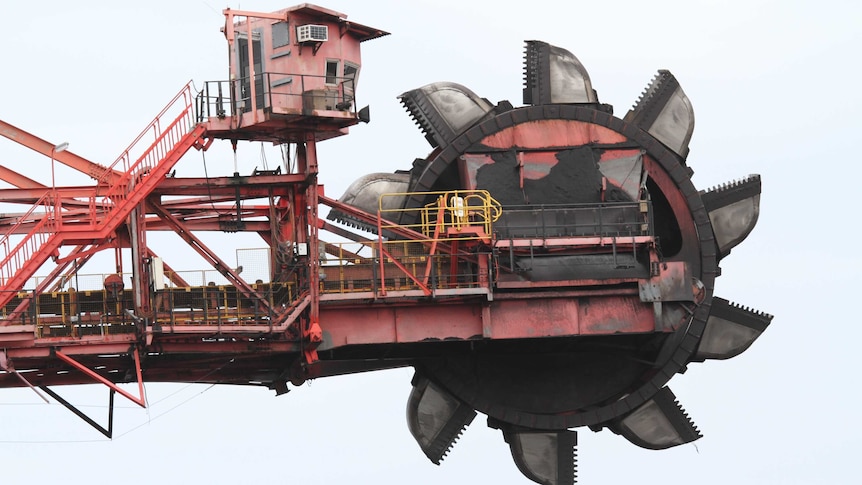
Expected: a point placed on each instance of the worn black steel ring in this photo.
(689, 335)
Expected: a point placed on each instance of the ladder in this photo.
(142, 165)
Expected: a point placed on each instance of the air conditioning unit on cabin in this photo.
(312, 33)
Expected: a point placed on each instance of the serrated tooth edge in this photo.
(733, 183)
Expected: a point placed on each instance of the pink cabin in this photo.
(299, 71)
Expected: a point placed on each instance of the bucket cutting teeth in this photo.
(733, 211)
(665, 112)
(436, 418)
(546, 457)
(444, 110)
(647, 100)
(365, 194)
(731, 192)
(730, 330)
(336, 215)
(657, 424)
(554, 75)
(559, 167)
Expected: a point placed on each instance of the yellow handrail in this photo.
(460, 209)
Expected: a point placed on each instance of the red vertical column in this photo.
(314, 333)
(307, 238)
(140, 257)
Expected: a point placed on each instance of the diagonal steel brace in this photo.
(140, 401)
(108, 432)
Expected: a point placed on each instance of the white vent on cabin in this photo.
(312, 33)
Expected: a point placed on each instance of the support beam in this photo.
(140, 401)
(254, 186)
(33, 142)
(371, 219)
(12, 177)
(82, 256)
(79, 252)
(108, 432)
(326, 226)
(211, 257)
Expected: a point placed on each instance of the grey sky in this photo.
(775, 89)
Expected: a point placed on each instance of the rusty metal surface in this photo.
(594, 290)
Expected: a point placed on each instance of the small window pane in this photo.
(280, 35)
(350, 71)
(331, 72)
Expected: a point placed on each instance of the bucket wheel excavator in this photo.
(593, 206)
(551, 266)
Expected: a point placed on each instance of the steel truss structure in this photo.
(553, 245)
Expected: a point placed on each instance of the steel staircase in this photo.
(111, 202)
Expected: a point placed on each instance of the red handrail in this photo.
(186, 94)
(48, 228)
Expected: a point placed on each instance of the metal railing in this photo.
(219, 304)
(377, 267)
(608, 219)
(87, 307)
(105, 201)
(77, 313)
(150, 146)
(447, 216)
(304, 92)
(402, 266)
(15, 251)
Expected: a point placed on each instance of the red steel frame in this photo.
(124, 204)
(96, 230)
(536, 314)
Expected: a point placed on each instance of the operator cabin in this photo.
(303, 64)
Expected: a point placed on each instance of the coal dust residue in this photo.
(574, 179)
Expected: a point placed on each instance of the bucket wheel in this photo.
(565, 149)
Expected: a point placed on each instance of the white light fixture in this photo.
(55, 150)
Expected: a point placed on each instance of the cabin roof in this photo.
(362, 32)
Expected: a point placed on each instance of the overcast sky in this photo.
(775, 89)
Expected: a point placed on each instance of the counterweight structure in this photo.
(551, 266)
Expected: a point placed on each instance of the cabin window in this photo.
(331, 72)
(351, 71)
(280, 34)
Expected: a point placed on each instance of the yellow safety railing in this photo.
(84, 312)
(448, 216)
(401, 266)
(218, 304)
(350, 267)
